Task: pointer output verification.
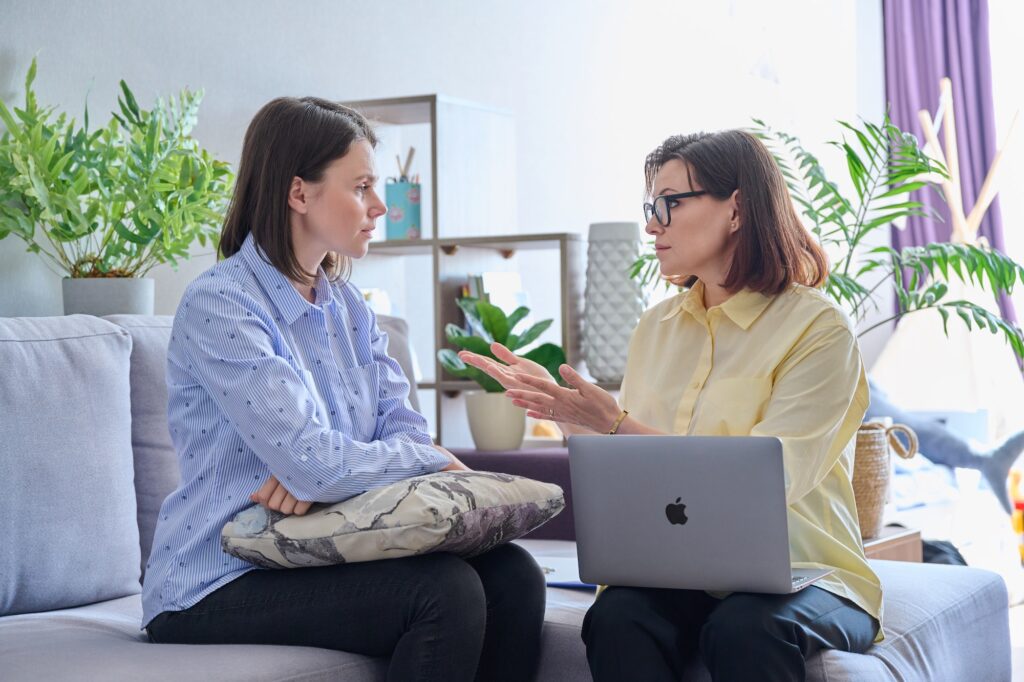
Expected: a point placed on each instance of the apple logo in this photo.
(676, 513)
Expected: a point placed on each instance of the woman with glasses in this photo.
(281, 392)
(750, 347)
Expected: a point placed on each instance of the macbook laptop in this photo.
(683, 512)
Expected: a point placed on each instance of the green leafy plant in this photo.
(111, 202)
(489, 324)
(885, 164)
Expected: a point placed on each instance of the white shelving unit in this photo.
(465, 156)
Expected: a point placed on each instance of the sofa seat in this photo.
(103, 642)
(943, 623)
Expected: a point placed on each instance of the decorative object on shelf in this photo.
(872, 470)
(402, 195)
(403, 200)
(111, 203)
(613, 300)
(494, 422)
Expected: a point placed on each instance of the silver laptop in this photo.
(685, 512)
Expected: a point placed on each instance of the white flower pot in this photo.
(108, 295)
(496, 424)
(613, 301)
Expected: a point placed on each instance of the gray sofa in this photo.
(85, 461)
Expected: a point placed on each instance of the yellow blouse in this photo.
(785, 366)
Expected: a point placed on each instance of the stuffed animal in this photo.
(942, 446)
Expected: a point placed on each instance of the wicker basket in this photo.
(871, 471)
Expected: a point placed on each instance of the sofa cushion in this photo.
(941, 623)
(462, 512)
(400, 349)
(156, 462)
(67, 502)
(550, 465)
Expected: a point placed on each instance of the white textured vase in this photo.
(496, 424)
(613, 301)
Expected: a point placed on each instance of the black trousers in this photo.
(648, 634)
(437, 616)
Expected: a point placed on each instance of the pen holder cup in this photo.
(403, 200)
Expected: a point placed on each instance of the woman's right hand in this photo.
(508, 374)
(275, 497)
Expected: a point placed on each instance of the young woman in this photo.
(282, 393)
(751, 347)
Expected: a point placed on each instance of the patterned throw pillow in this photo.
(462, 512)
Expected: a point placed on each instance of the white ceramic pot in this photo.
(613, 301)
(496, 424)
(108, 295)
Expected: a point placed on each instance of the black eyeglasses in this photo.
(661, 207)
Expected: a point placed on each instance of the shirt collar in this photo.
(285, 298)
(743, 307)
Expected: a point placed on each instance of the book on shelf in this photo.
(501, 289)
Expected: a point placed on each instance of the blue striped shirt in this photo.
(262, 382)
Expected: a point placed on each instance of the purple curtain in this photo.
(924, 41)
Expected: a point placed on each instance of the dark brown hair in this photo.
(773, 249)
(288, 137)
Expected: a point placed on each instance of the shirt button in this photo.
(304, 458)
(695, 384)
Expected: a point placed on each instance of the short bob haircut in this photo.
(772, 248)
(288, 138)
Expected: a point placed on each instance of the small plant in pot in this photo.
(496, 424)
(102, 207)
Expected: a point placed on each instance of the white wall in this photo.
(593, 85)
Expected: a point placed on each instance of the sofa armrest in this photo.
(550, 465)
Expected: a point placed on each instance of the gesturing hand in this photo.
(584, 404)
(510, 374)
(274, 496)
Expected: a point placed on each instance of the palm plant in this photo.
(885, 164)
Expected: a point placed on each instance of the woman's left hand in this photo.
(583, 404)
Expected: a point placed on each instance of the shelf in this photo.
(502, 244)
(413, 109)
(460, 385)
(402, 247)
(397, 110)
(524, 242)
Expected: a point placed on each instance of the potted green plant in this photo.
(495, 423)
(885, 164)
(102, 207)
